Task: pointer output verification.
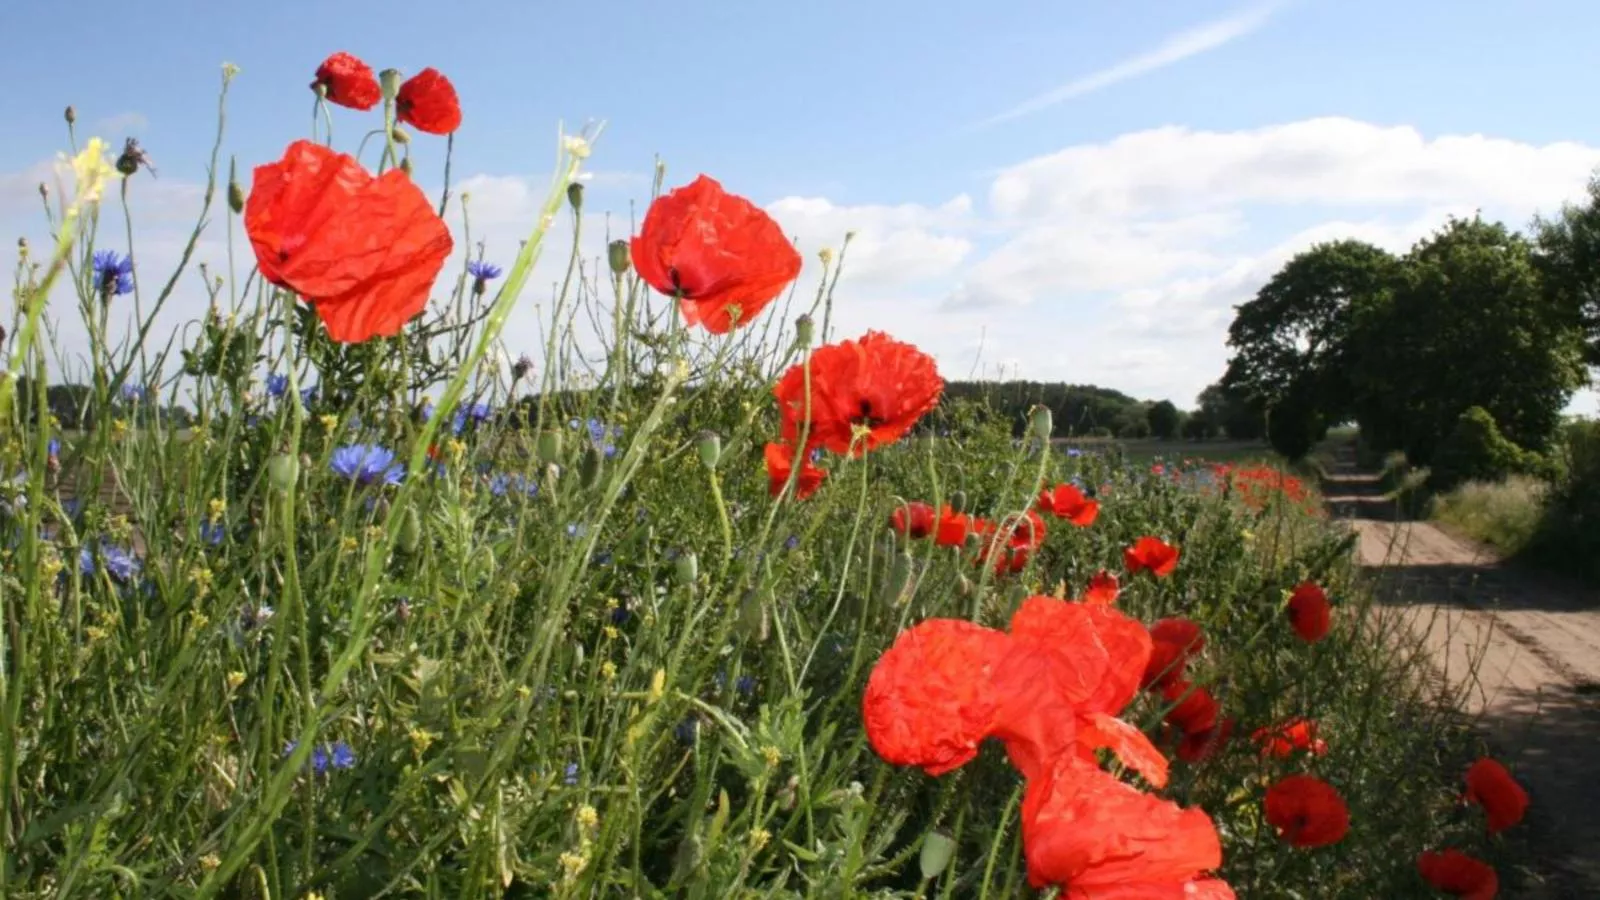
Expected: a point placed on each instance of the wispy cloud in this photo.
(121, 124)
(1174, 49)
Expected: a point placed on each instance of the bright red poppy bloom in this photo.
(1176, 641)
(1307, 811)
(1102, 590)
(1503, 799)
(1150, 553)
(720, 255)
(1202, 745)
(952, 527)
(1457, 873)
(930, 698)
(914, 518)
(427, 102)
(780, 464)
(865, 393)
(1286, 739)
(347, 81)
(1194, 709)
(1010, 543)
(364, 251)
(1100, 839)
(1309, 613)
(1067, 502)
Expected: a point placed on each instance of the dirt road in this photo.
(1521, 651)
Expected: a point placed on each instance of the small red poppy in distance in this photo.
(364, 251)
(1067, 502)
(720, 255)
(1288, 738)
(914, 519)
(1102, 590)
(1309, 612)
(1502, 798)
(865, 393)
(1194, 709)
(428, 102)
(346, 80)
(1150, 553)
(952, 527)
(1307, 811)
(1202, 745)
(1457, 873)
(780, 464)
(1175, 641)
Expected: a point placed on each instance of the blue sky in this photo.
(1071, 191)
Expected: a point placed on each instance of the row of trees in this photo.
(1475, 316)
(1091, 411)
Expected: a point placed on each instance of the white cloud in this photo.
(1175, 49)
(121, 125)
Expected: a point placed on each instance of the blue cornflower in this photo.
(574, 530)
(746, 685)
(791, 542)
(602, 557)
(571, 774)
(121, 565)
(212, 532)
(503, 484)
(307, 395)
(341, 756)
(113, 274)
(688, 731)
(132, 392)
(598, 432)
(319, 760)
(366, 464)
(620, 615)
(276, 385)
(53, 449)
(482, 273)
(1074, 451)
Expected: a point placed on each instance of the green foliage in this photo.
(1503, 514)
(1568, 538)
(1296, 424)
(1567, 255)
(1476, 451)
(1164, 420)
(1232, 411)
(1077, 409)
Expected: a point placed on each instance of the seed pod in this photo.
(687, 566)
(71, 115)
(548, 446)
(1040, 421)
(937, 849)
(575, 195)
(753, 619)
(958, 501)
(589, 467)
(618, 255)
(709, 446)
(803, 331)
(283, 470)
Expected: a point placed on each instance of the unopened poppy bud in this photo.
(71, 115)
(320, 88)
(688, 567)
(577, 655)
(898, 589)
(44, 190)
(958, 502)
(937, 849)
(389, 82)
(235, 197)
(410, 530)
(575, 195)
(709, 446)
(548, 446)
(589, 467)
(399, 135)
(1043, 425)
(617, 254)
(753, 621)
(803, 331)
(826, 255)
(521, 368)
(964, 585)
(405, 165)
(282, 471)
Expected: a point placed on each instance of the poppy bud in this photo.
(617, 254)
(399, 135)
(826, 255)
(589, 467)
(389, 83)
(1040, 421)
(283, 470)
(405, 165)
(964, 585)
(320, 88)
(958, 502)
(521, 368)
(709, 446)
(937, 849)
(802, 331)
(753, 621)
(898, 589)
(577, 655)
(44, 190)
(71, 115)
(575, 195)
(410, 530)
(548, 446)
(688, 567)
(235, 197)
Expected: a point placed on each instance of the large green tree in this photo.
(1291, 340)
(1468, 324)
(1567, 256)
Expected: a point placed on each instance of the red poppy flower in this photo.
(1457, 873)
(914, 518)
(1067, 502)
(1070, 668)
(1150, 553)
(1202, 745)
(1100, 839)
(1010, 543)
(347, 81)
(1284, 740)
(864, 393)
(720, 255)
(1194, 710)
(930, 699)
(952, 528)
(1503, 799)
(1176, 641)
(1103, 589)
(1309, 612)
(427, 102)
(1307, 811)
(780, 463)
(364, 251)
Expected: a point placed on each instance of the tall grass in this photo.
(567, 654)
(1503, 514)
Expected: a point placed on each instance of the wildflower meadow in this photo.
(339, 594)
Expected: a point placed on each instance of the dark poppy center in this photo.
(866, 417)
(677, 284)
